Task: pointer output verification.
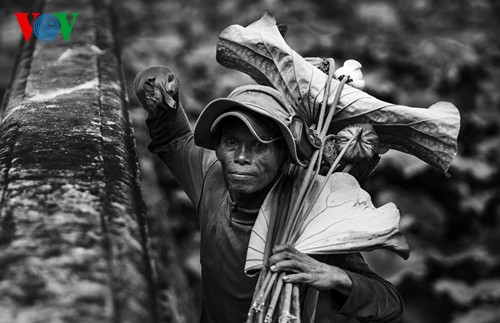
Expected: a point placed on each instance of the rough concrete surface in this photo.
(73, 239)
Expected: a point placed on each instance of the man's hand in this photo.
(157, 88)
(304, 269)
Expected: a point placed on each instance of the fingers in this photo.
(297, 278)
(279, 257)
(302, 268)
(288, 265)
(321, 280)
(289, 259)
(282, 252)
(284, 247)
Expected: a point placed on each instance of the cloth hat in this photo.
(262, 128)
(263, 101)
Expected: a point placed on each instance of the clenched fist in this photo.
(158, 89)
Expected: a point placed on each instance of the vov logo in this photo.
(46, 26)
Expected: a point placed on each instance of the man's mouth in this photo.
(241, 175)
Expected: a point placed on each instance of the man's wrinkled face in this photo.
(248, 165)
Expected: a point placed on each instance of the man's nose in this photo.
(242, 155)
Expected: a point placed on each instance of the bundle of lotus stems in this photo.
(271, 287)
(325, 211)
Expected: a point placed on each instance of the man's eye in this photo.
(259, 145)
(231, 141)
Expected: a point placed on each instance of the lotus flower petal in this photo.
(342, 220)
(260, 51)
(359, 84)
(352, 69)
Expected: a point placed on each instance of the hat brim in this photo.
(203, 137)
(257, 131)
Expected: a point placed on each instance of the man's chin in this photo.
(242, 187)
(243, 184)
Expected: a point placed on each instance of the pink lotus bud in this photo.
(363, 147)
(351, 69)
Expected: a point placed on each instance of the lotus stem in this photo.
(265, 294)
(309, 176)
(250, 317)
(323, 128)
(295, 308)
(280, 234)
(325, 181)
(275, 224)
(287, 301)
(336, 99)
(348, 167)
(295, 219)
(311, 184)
(270, 237)
(316, 172)
(261, 298)
(281, 302)
(260, 317)
(328, 83)
(299, 198)
(323, 136)
(261, 291)
(274, 300)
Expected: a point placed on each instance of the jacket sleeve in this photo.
(172, 140)
(372, 298)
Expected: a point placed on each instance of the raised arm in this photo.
(171, 137)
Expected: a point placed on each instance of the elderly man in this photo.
(240, 146)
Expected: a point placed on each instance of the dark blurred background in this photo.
(413, 53)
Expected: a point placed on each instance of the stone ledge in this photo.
(73, 239)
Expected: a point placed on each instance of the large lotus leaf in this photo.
(342, 220)
(260, 51)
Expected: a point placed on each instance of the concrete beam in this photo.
(73, 234)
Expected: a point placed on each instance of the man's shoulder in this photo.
(214, 177)
(214, 188)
